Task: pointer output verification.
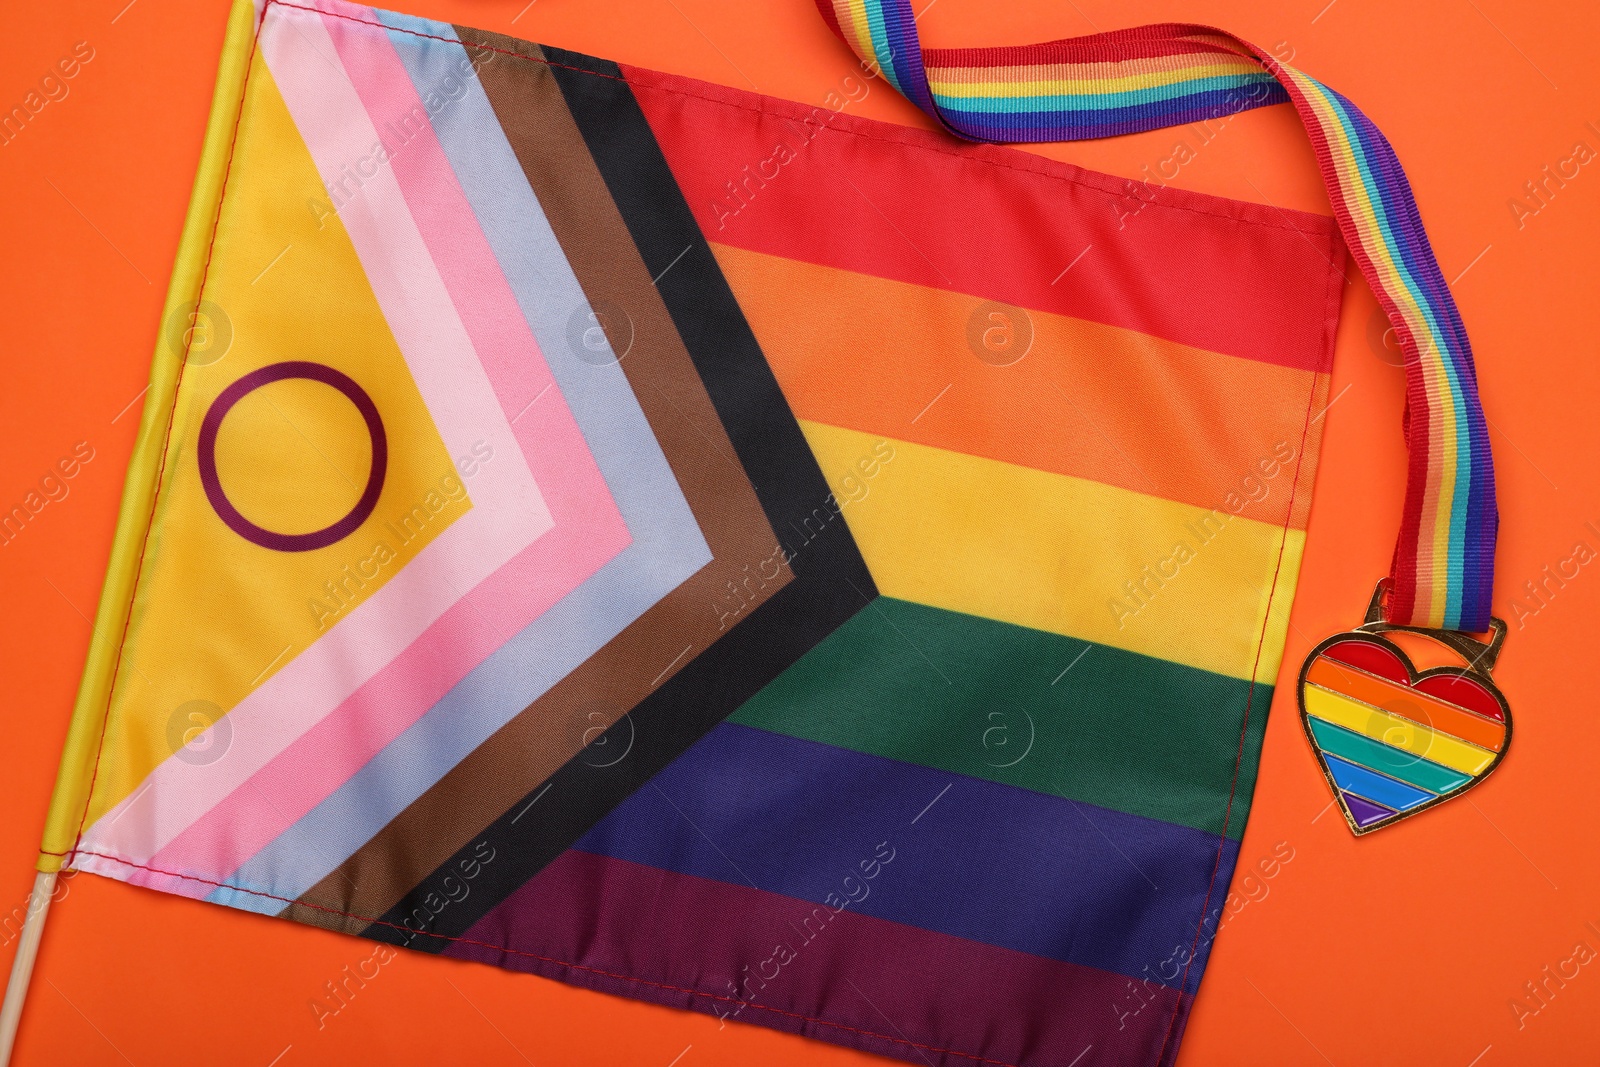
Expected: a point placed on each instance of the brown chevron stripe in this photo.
(745, 571)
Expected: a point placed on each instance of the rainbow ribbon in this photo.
(1155, 76)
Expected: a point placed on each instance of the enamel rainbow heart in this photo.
(1392, 740)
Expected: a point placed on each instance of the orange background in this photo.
(1409, 946)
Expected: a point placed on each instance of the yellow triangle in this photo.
(215, 614)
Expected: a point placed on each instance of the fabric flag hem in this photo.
(85, 733)
(61, 846)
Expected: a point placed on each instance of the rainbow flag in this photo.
(1152, 77)
(704, 548)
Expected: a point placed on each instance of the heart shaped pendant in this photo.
(1393, 741)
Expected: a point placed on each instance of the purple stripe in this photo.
(1474, 518)
(1365, 812)
(1472, 565)
(905, 51)
(1109, 122)
(844, 977)
(1017, 869)
(1475, 557)
(1471, 561)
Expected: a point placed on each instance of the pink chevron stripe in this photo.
(212, 818)
(589, 531)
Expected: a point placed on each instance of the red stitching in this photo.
(435, 37)
(552, 959)
(1272, 592)
(1157, 192)
(127, 620)
(166, 448)
(166, 445)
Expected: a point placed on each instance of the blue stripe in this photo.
(1079, 102)
(667, 544)
(899, 26)
(1409, 271)
(1462, 581)
(1010, 867)
(1445, 321)
(1072, 125)
(1342, 109)
(1377, 756)
(883, 49)
(1375, 787)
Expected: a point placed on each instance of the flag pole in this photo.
(44, 887)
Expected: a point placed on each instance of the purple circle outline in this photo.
(277, 372)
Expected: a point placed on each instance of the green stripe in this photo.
(1377, 756)
(1057, 103)
(965, 694)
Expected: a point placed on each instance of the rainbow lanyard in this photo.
(1156, 76)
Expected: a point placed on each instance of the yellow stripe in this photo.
(1396, 731)
(1058, 553)
(956, 71)
(1086, 86)
(317, 301)
(1434, 546)
(854, 23)
(83, 734)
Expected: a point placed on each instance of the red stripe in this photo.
(1370, 657)
(1114, 46)
(1400, 606)
(996, 223)
(830, 17)
(717, 947)
(1405, 579)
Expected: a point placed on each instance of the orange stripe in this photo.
(1120, 68)
(1402, 700)
(1087, 400)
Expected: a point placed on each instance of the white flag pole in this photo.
(44, 887)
